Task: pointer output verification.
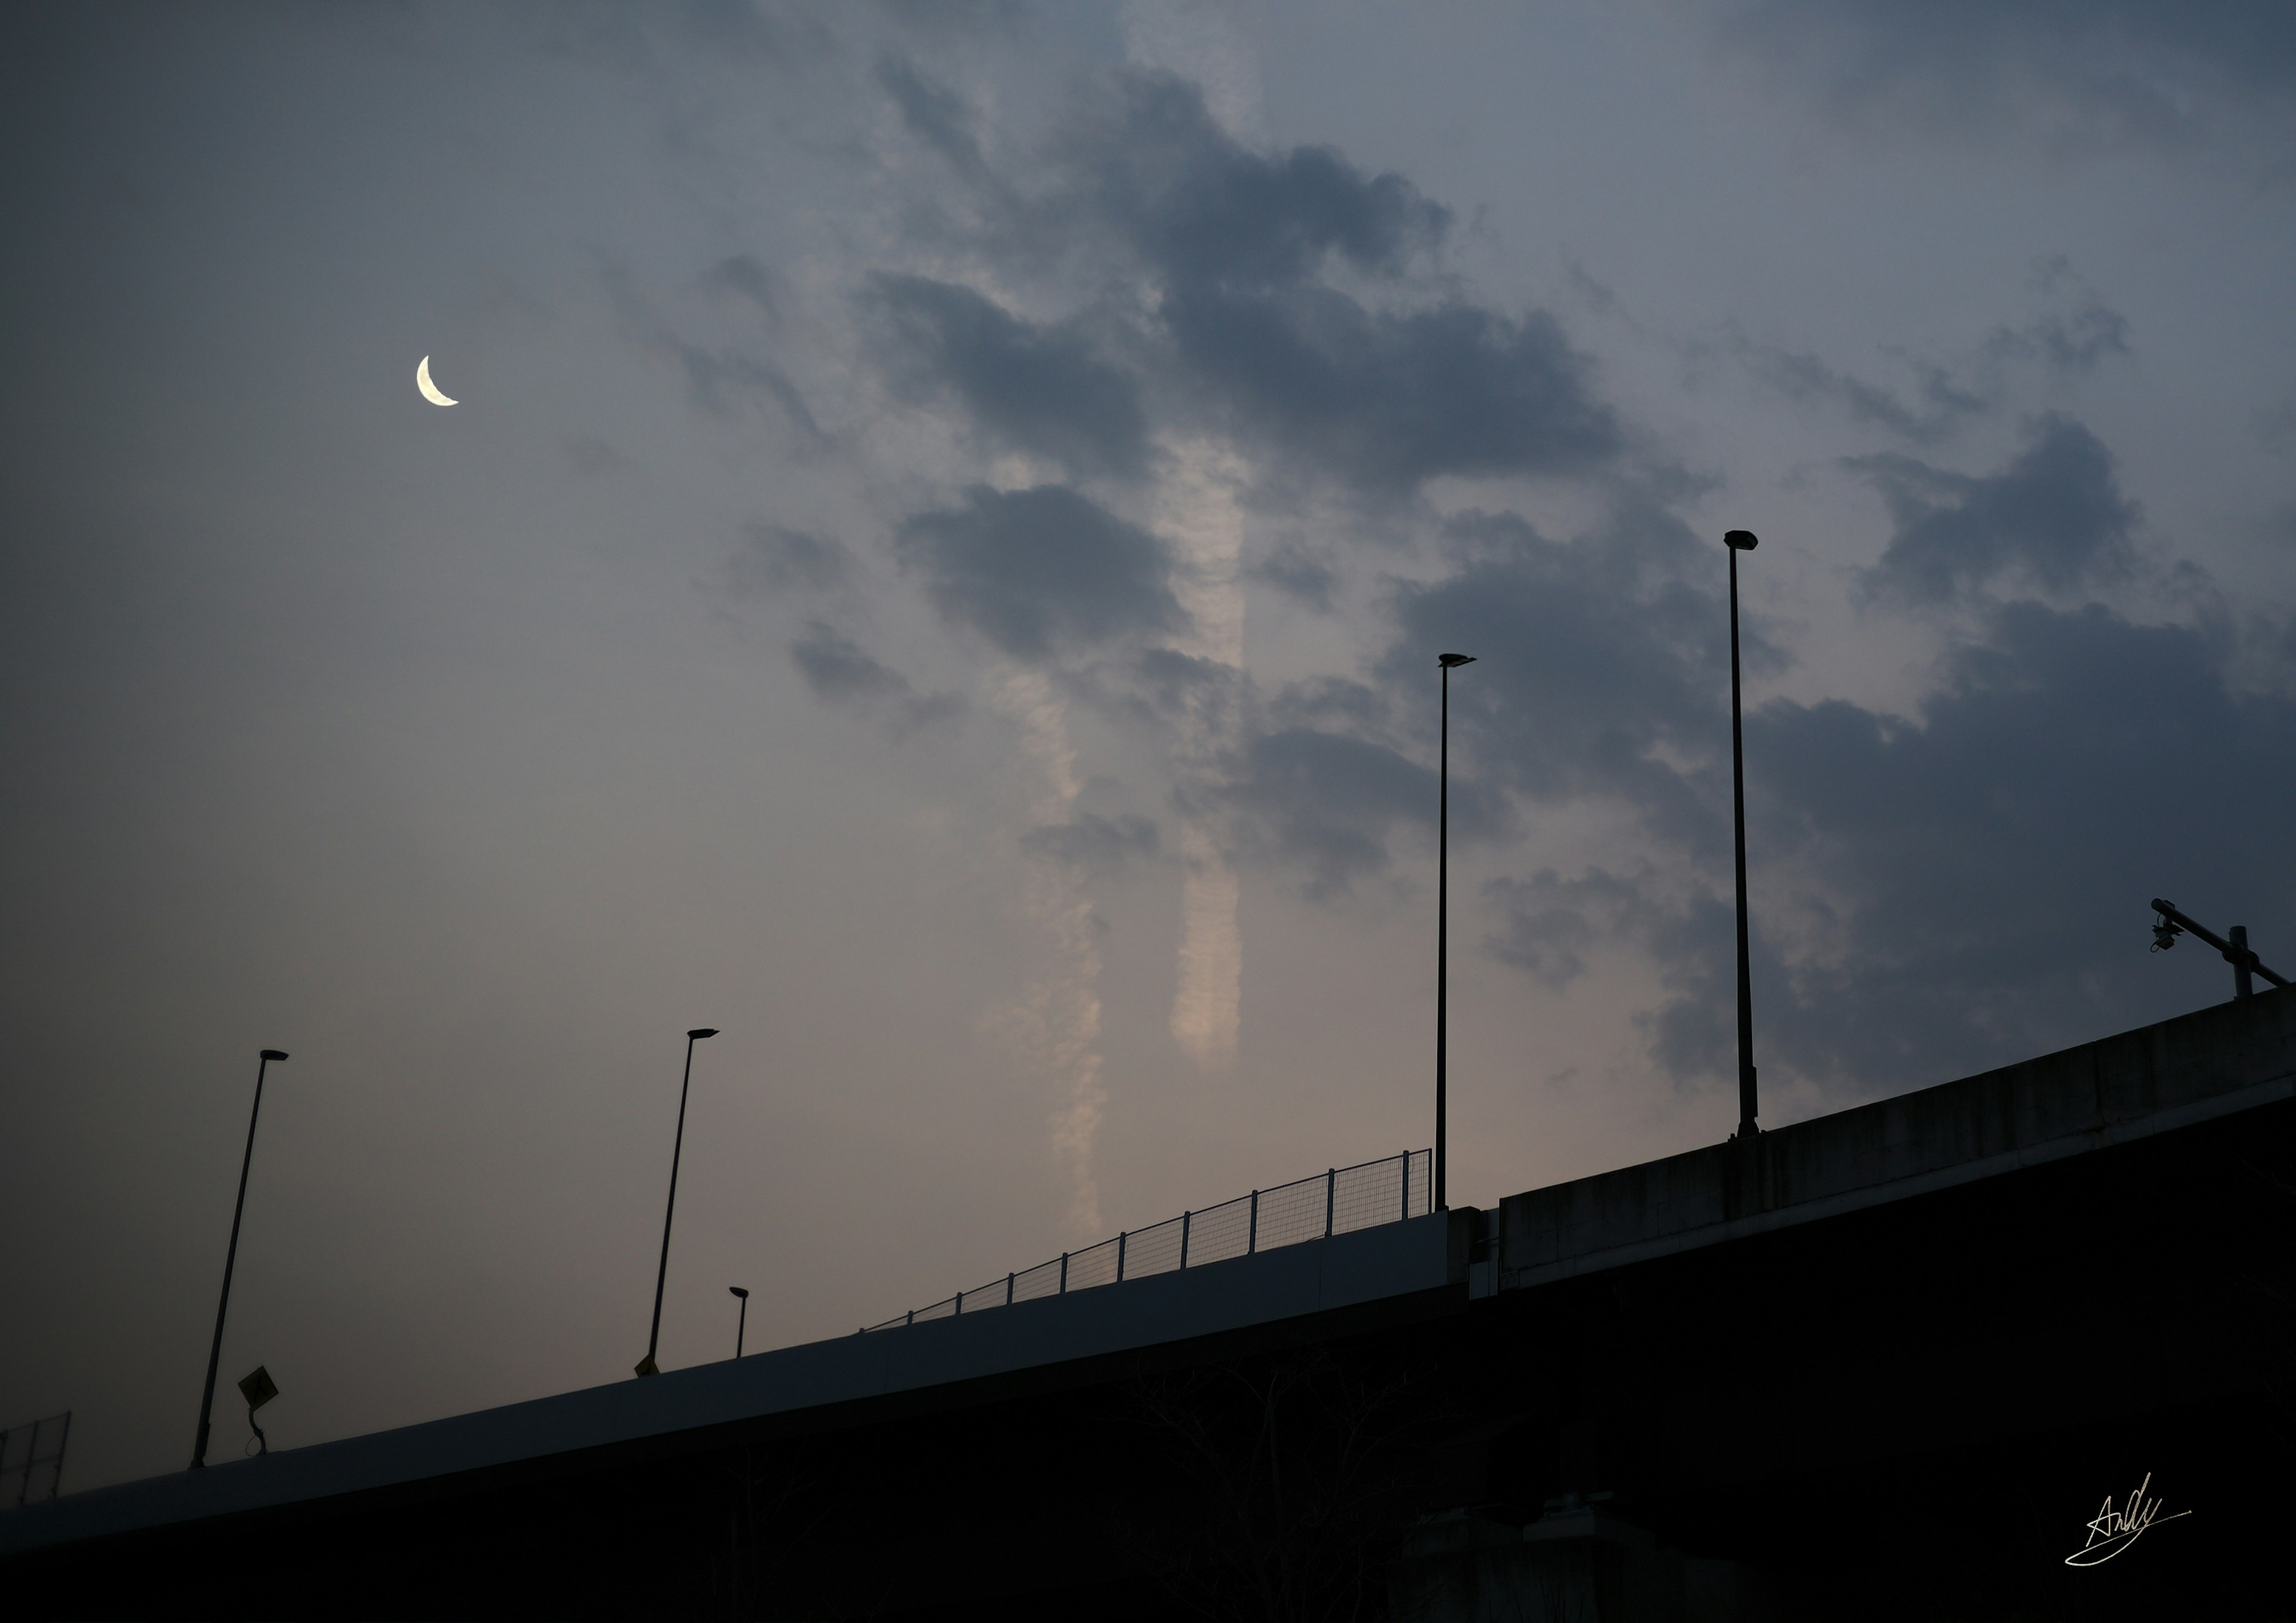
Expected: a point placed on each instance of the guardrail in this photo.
(1337, 1201)
(32, 1460)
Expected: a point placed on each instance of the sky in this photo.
(936, 569)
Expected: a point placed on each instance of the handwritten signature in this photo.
(2114, 1531)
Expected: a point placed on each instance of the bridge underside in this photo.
(1907, 1411)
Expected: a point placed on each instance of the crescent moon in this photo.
(429, 390)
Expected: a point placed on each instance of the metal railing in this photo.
(32, 1460)
(1334, 1202)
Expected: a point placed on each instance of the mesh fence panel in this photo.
(1093, 1265)
(32, 1460)
(1043, 1280)
(1291, 1213)
(1221, 1232)
(1336, 1202)
(1152, 1251)
(1363, 1196)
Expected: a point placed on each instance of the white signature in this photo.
(2114, 1531)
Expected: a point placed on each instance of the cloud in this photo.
(627, 39)
(1042, 571)
(1991, 862)
(1326, 801)
(721, 380)
(1300, 573)
(933, 113)
(1237, 246)
(1603, 660)
(1099, 846)
(1024, 387)
(1941, 403)
(1220, 268)
(2053, 520)
(751, 278)
(1392, 399)
(774, 558)
(838, 671)
(1153, 167)
(1935, 895)
(2059, 343)
(1602, 672)
(2159, 71)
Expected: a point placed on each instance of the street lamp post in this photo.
(646, 1365)
(1740, 541)
(742, 1325)
(230, 1258)
(1449, 662)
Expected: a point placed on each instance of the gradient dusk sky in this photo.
(937, 570)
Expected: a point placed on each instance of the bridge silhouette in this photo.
(1885, 1363)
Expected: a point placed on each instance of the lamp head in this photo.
(2164, 934)
(737, 1290)
(258, 1388)
(1451, 660)
(271, 1053)
(699, 1032)
(1741, 540)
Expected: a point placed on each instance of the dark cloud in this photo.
(933, 113)
(1973, 879)
(1154, 168)
(1379, 398)
(1218, 264)
(1042, 571)
(1991, 864)
(752, 279)
(724, 380)
(1238, 245)
(841, 672)
(1602, 671)
(1328, 802)
(1549, 923)
(631, 39)
(945, 19)
(2148, 69)
(1102, 846)
(1940, 403)
(1029, 388)
(1300, 573)
(1601, 659)
(775, 558)
(2054, 520)
(2059, 343)
(2067, 343)
(1548, 927)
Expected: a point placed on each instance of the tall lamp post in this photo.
(230, 1258)
(1740, 541)
(646, 1365)
(1449, 662)
(742, 1325)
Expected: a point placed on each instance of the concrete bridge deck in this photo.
(1853, 1315)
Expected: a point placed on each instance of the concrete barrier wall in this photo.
(2228, 1057)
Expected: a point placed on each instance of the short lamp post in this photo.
(646, 1365)
(1449, 662)
(230, 1259)
(740, 1325)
